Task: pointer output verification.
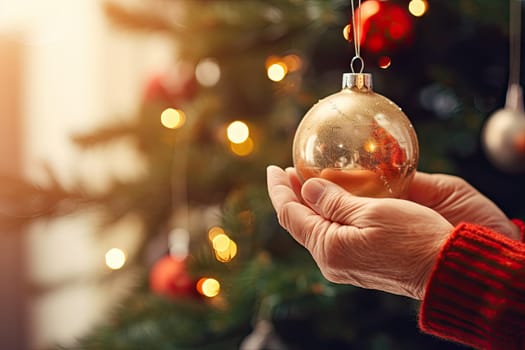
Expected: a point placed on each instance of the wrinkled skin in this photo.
(379, 243)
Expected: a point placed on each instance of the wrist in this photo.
(433, 253)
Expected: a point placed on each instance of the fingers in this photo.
(331, 201)
(429, 189)
(296, 218)
(279, 187)
(294, 181)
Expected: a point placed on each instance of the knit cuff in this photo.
(476, 293)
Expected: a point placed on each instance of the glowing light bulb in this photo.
(172, 118)
(115, 258)
(417, 7)
(208, 287)
(238, 132)
(242, 149)
(277, 71)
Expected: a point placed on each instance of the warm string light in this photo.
(172, 118)
(238, 134)
(209, 287)
(277, 68)
(417, 8)
(224, 247)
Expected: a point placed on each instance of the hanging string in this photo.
(514, 98)
(514, 41)
(356, 24)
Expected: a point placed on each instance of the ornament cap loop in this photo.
(362, 81)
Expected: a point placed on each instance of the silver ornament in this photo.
(503, 135)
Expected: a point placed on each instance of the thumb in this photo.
(429, 189)
(329, 200)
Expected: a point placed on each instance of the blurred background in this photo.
(134, 137)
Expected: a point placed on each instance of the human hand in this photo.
(457, 201)
(377, 243)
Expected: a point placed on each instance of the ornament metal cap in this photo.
(358, 80)
(514, 99)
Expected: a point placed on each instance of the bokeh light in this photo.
(243, 149)
(347, 32)
(384, 62)
(277, 71)
(417, 7)
(115, 258)
(172, 118)
(293, 62)
(225, 248)
(368, 9)
(208, 72)
(238, 132)
(221, 242)
(228, 254)
(209, 287)
(214, 232)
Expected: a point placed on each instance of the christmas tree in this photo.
(226, 275)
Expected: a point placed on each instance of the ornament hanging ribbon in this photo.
(357, 27)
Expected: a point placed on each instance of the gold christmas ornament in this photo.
(358, 139)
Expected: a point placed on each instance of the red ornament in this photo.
(170, 277)
(385, 26)
(172, 87)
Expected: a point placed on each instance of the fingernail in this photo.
(271, 169)
(312, 191)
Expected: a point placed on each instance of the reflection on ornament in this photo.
(504, 134)
(358, 139)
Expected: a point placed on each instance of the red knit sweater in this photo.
(476, 295)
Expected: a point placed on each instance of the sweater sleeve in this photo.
(476, 293)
